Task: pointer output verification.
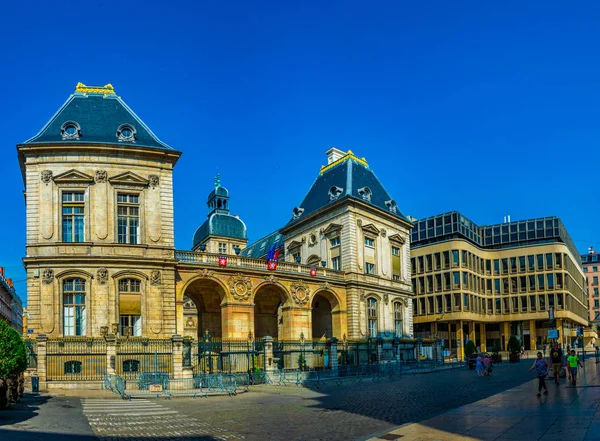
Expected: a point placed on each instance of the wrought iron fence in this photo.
(137, 355)
(211, 355)
(75, 359)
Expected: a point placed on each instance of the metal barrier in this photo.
(115, 384)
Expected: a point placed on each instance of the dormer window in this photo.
(335, 193)
(126, 133)
(297, 212)
(392, 206)
(365, 193)
(70, 130)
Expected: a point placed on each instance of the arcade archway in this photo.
(268, 314)
(207, 296)
(325, 316)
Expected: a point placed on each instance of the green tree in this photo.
(470, 348)
(13, 355)
(514, 346)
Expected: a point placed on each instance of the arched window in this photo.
(372, 317)
(74, 314)
(398, 319)
(130, 307)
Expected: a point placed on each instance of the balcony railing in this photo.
(251, 262)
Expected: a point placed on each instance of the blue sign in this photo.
(30, 331)
(553, 333)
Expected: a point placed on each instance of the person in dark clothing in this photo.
(556, 357)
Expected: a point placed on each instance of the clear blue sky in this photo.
(489, 109)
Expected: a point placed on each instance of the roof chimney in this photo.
(333, 154)
(9, 282)
(591, 250)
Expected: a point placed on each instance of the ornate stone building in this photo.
(101, 257)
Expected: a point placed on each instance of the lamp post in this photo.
(303, 360)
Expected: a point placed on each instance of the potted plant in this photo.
(470, 348)
(514, 348)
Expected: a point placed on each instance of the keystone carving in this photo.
(47, 276)
(300, 292)
(325, 286)
(383, 232)
(240, 287)
(386, 299)
(46, 176)
(153, 180)
(101, 176)
(155, 277)
(102, 275)
(272, 279)
(206, 273)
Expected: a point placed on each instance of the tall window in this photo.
(372, 317)
(398, 319)
(73, 217)
(336, 263)
(369, 268)
(74, 318)
(222, 248)
(396, 268)
(369, 242)
(130, 307)
(128, 221)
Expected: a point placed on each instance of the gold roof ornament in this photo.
(105, 90)
(348, 156)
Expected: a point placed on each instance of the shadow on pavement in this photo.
(23, 410)
(19, 435)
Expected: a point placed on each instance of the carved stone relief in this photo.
(47, 276)
(102, 275)
(46, 176)
(153, 180)
(240, 286)
(300, 292)
(101, 176)
(155, 277)
(206, 273)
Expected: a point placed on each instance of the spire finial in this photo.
(217, 180)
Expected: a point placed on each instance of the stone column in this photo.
(483, 337)
(42, 340)
(270, 364)
(177, 356)
(506, 334)
(532, 335)
(111, 353)
(472, 334)
(333, 357)
(460, 350)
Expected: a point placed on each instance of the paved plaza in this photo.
(446, 405)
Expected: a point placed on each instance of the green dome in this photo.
(223, 225)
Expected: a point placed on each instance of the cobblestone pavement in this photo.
(114, 420)
(348, 412)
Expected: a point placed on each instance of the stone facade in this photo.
(94, 283)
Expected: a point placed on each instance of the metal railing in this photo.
(75, 359)
(136, 355)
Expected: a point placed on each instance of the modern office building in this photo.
(591, 262)
(486, 283)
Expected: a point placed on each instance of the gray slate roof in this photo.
(99, 112)
(349, 176)
(261, 247)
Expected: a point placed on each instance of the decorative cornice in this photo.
(348, 156)
(128, 179)
(105, 90)
(397, 238)
(273, 280)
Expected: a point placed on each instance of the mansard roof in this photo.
(97, 115)
(346, 177)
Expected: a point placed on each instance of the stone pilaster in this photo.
(270, 366)
(111, 353)
(532, 335)
(483, 337)
(177, 356)
(333, 357)
(42, 340)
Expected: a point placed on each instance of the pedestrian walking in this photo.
(574, 362)
(522, 351)
(487, 365)
(541, 367)
(544, 349)
(556, 357)
(479, 366)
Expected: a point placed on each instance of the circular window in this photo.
(70, 130)
(126, 133)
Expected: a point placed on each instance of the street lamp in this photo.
(302, 364)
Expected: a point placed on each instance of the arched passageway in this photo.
(206, 296)
(322, 322)
(268, 317)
